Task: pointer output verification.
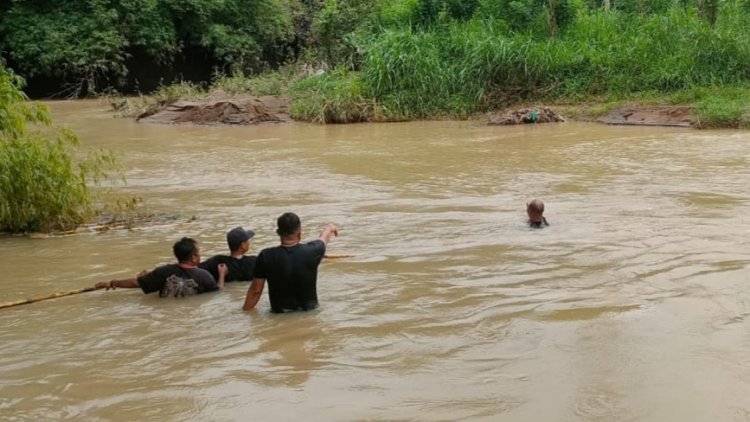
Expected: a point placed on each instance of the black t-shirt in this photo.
(156, 280)
(292, 274)
(238, 269)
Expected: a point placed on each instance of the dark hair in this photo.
(535, 207)
(184, 249)
(288, 224)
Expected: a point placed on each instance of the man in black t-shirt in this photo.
(181, 279)
(291, 268)
(240, 266)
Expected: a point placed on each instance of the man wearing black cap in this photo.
(291, 268)
(240, 266)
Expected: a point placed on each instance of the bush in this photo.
(42, 186)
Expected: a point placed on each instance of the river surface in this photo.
(632, 306)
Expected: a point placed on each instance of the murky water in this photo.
(633, 305)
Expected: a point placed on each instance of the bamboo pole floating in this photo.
(337, 256)
(45, 297)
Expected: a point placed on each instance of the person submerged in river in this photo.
(535, 211)
(240, 266)
(290, 268)
(181, 279)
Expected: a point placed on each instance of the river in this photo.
(632, 306)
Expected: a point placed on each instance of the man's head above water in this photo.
(535, 210)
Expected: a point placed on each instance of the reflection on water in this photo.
(631, 306)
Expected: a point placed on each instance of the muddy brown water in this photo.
(633, 305)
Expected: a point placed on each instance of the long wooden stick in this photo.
(337, 256)
(49, 296)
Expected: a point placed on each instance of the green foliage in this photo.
(428, 12)
(461, 10)
(15, 113)
(77, 41)
(146, 105)
(335, 26)
(334, 97)
(270, 83)
(540, 17)
(643, 7)
(475, 66)
(148, 24)
(395, 14)
(88, 41)
(42, 186)
(723, 106)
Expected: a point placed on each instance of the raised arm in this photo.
(327, 232)
(253, 293)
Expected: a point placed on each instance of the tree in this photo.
(89, 42)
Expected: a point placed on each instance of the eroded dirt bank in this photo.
(222, 109)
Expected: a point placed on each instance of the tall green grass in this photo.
(338, 96)
(272, 83)
(468, 67)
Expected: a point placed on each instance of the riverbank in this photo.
(222, 108)
(317, 95)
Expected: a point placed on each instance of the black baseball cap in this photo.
(237, 235)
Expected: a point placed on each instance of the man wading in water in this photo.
(240, 266)
(181, 279)
(291, 268)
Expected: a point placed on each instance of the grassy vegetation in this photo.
(429, 58)
(333, 97)
(272, 83)
(146, 105)
(474, 66)
(723, 107)
(42, 185)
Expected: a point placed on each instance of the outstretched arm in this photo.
(328, 232)
(253, 293)
(128, 283)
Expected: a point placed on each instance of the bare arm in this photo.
(223, 269)
(327, 232)
(253, 293)
(127, 283)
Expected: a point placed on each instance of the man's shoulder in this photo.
(270, 250)
(213, 261)
(316, 244)
(165, 268)
(200, 271)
